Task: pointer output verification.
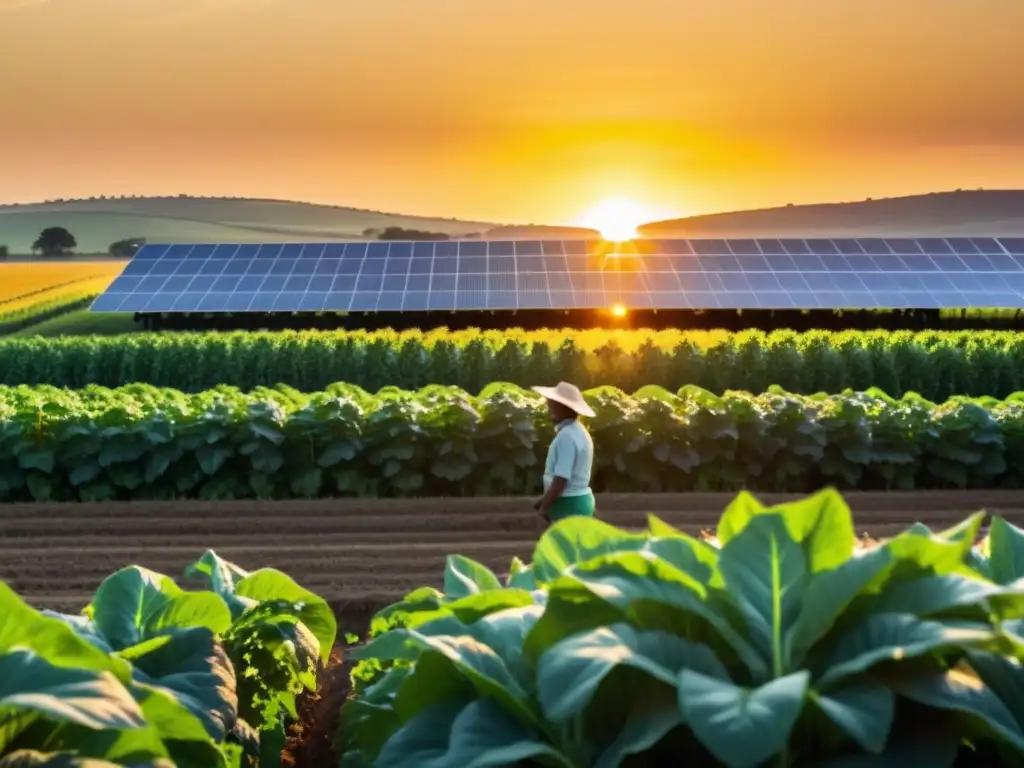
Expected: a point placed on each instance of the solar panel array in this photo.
(931, 273)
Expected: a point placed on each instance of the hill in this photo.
(941, 214)
(98, 223)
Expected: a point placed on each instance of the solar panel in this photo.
(841, 273)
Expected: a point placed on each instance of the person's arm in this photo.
(553, 494)
(565, 458)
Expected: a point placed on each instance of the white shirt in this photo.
(571, 456)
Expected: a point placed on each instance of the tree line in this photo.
(58, 241)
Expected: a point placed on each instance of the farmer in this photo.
(570, 456)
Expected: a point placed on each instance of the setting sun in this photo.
(617, 218)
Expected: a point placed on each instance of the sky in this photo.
(523, 111)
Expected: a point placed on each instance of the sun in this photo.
(617, 218)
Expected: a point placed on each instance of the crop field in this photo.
(25, 283)
(361, 555)
(260, 546)
(934, 364)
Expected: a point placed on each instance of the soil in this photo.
(310, 742)
(362, 555)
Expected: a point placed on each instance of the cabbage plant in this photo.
(782, 645)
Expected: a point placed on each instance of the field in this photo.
(245, 514)
(23, 284)
(364, 554)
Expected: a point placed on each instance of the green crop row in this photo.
(936, 365)
(143, 442)
(778, 644)
(19, 319)
(150, 675)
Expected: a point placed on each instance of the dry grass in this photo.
(26, 283)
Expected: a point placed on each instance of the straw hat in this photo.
(566, 394)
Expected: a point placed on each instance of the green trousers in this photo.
(572, 506)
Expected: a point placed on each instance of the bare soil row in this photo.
(363, 554)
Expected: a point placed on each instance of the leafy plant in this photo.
(140, 442)
(150, 671)
(937, 365)
(777, 643)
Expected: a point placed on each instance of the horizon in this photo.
(679, 110)
(428, 217)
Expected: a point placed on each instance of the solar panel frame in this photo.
(749, 273)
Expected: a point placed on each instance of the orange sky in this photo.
(511, 110)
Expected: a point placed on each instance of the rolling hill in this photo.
(97, 223)
(941, 214)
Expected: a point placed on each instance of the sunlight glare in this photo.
(617, 219)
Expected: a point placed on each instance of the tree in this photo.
(400, 233)
(125, 249)
(4, 252)
(54, 241)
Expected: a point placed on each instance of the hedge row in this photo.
(141, 442)
(937, 365)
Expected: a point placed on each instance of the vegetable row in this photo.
(153, 675)
(934, 364)
(777, 643)
(142, 442)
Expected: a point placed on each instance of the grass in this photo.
(81, 322)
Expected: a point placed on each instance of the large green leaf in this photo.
(966, 694)
(51, 638)
(570, 672)
(766, 574)
(691, 556)
(893, 636)
(826, 597)
(171, 731)
(463, 577)
(821, 523)
(221, 576)
(643, 589)
(135, 604)
(472, 608)
(483, 735)
(397, 614)
(90, 698)
(1001, 675)
(269, 584)
(740, 511)
(421, 742)
(479, 663)
(194, 670)
(864, 711)
(742, 727)
(951, 595)
(520, 575)
(1006, 547)
(576, 540)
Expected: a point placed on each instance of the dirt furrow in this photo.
(363, 554)
(908, 503)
